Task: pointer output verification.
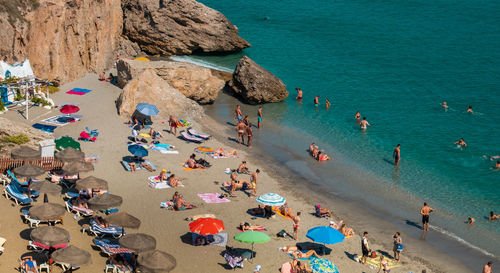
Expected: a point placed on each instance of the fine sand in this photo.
(170, 227)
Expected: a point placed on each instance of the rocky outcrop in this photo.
(149, 87)
(195, 82)
(64, 39)
(177, 27)
(12, 128)
(255, 85)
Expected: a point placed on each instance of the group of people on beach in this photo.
(241, 183)
(244, 127)
(317, 154)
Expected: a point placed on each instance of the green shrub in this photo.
(52, 89)
(2, 106)
(19, 96)
(17, 139)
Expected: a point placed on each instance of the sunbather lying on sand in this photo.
(244, 226)
(191, 162)
(243, 168)
(239, 185)
(225, 153)
(346, 231)
(146, 166)
(180, 204)
(296, 253)
(286, 211)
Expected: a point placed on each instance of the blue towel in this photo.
(46, 128)
(81, 90)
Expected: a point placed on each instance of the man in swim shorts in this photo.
(364, 123)
(237, 113)
(296, 222)
(316, 101)
(253, 182)
(396, 154)
(240, 128)
(299, 94)
(425, 211)
(365, 248)
(259, 117)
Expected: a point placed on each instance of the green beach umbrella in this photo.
(252, 237)
(65, 142)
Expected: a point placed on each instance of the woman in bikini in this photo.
(384, 265)
(323, 157)
(296, 253)
(223, 153)
(244, 226)
(163, 175)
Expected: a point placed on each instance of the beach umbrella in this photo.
(70, 154)
(138, 150)
(147, 109)
(69, 109)
(206, 226)
(123, 219)
(46, 187)
(29, 170)
(322, 266)
(252, 237)
(47, 211)
(66, 142)
(91, 182)
(105, 201)
(50, 236)
(204, 150)
(156, 261)
(138, 242)
(76, 167)
(25, 153)
(72, 255)
(325, 235)
(271, 199)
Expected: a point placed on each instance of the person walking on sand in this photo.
(253, 182)
(397, 154)
(237, 113)
(316, 101)
(398, 246)
(487, 267)
(173, 125)
(299, 94)
(240, 128)
(327, 104)
(425, 211)
(249, 133)
(259, 117)
(365, 248)
(364, 123)
(296, 223)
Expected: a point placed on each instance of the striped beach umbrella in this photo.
(271, 199)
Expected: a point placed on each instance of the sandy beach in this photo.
(170, 227)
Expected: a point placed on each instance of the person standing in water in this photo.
(316, 101)
(425, 211)
(237, 113)
(469, 110)
(327, 103)
(249, 133)
(396, 154)
(461, 142)
(259, 117)
(299, 94)
(445, 106)
(240, 128)
(364, 123)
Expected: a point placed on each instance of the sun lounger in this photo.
(191, 138)
(109, 247)
(27, 219)
(28, 265)
(192, 132)
(66, 183)
(20, 198)
(61, 120)
(101, 231)
(66, 267)
(77, 210)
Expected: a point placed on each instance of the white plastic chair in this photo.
(44, 266)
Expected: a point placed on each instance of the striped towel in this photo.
(212, 198)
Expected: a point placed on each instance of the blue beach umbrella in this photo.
(147, 109)
(138, 150)
(322, 266)
(325, 235)
(271, 199)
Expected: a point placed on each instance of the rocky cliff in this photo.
(195, 82)
(12, 128)
(179, 27)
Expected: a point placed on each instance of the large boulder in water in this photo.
(177, 27)
(198, 83)
(255, 85)
(149, 87)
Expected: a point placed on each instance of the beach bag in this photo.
(399, 247)
(373, 255)
(281, 234)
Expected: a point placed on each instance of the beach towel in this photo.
(219, 239)
(78, 91)
(376, 261)
(214, 156)
(286, 268)
(49, 129)
(61, 120)
(145, 135)
(156, 184)
(277, 210)
(163, 148)
(198, 216)
(191, 169)
(167, 205)
(92, 159)
(212, 198)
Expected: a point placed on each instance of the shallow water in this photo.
(394, 62)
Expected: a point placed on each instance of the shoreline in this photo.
(437, 238)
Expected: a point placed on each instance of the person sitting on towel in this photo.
(173, 181)
(155, 133)
(243, 168)
(191, 162)
(163, 176)
(180, 204)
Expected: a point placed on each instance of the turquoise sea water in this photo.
(394, 61)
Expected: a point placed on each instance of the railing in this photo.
(48, 163)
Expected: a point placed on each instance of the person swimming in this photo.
(461, 142)
(364, 123)
(316, 101)
(469, 110)
(445, 106)
(357, 116)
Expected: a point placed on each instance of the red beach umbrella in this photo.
(69, 109)
(206, 226)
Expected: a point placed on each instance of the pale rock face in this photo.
(195, 82)
(176, 27)
(150, 88)
(256, 85)
(12, 128)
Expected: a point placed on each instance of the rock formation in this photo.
(12, 128)
(255, 85)
(149, 87)
(195, 82)
(65, 39)
(177, 27)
